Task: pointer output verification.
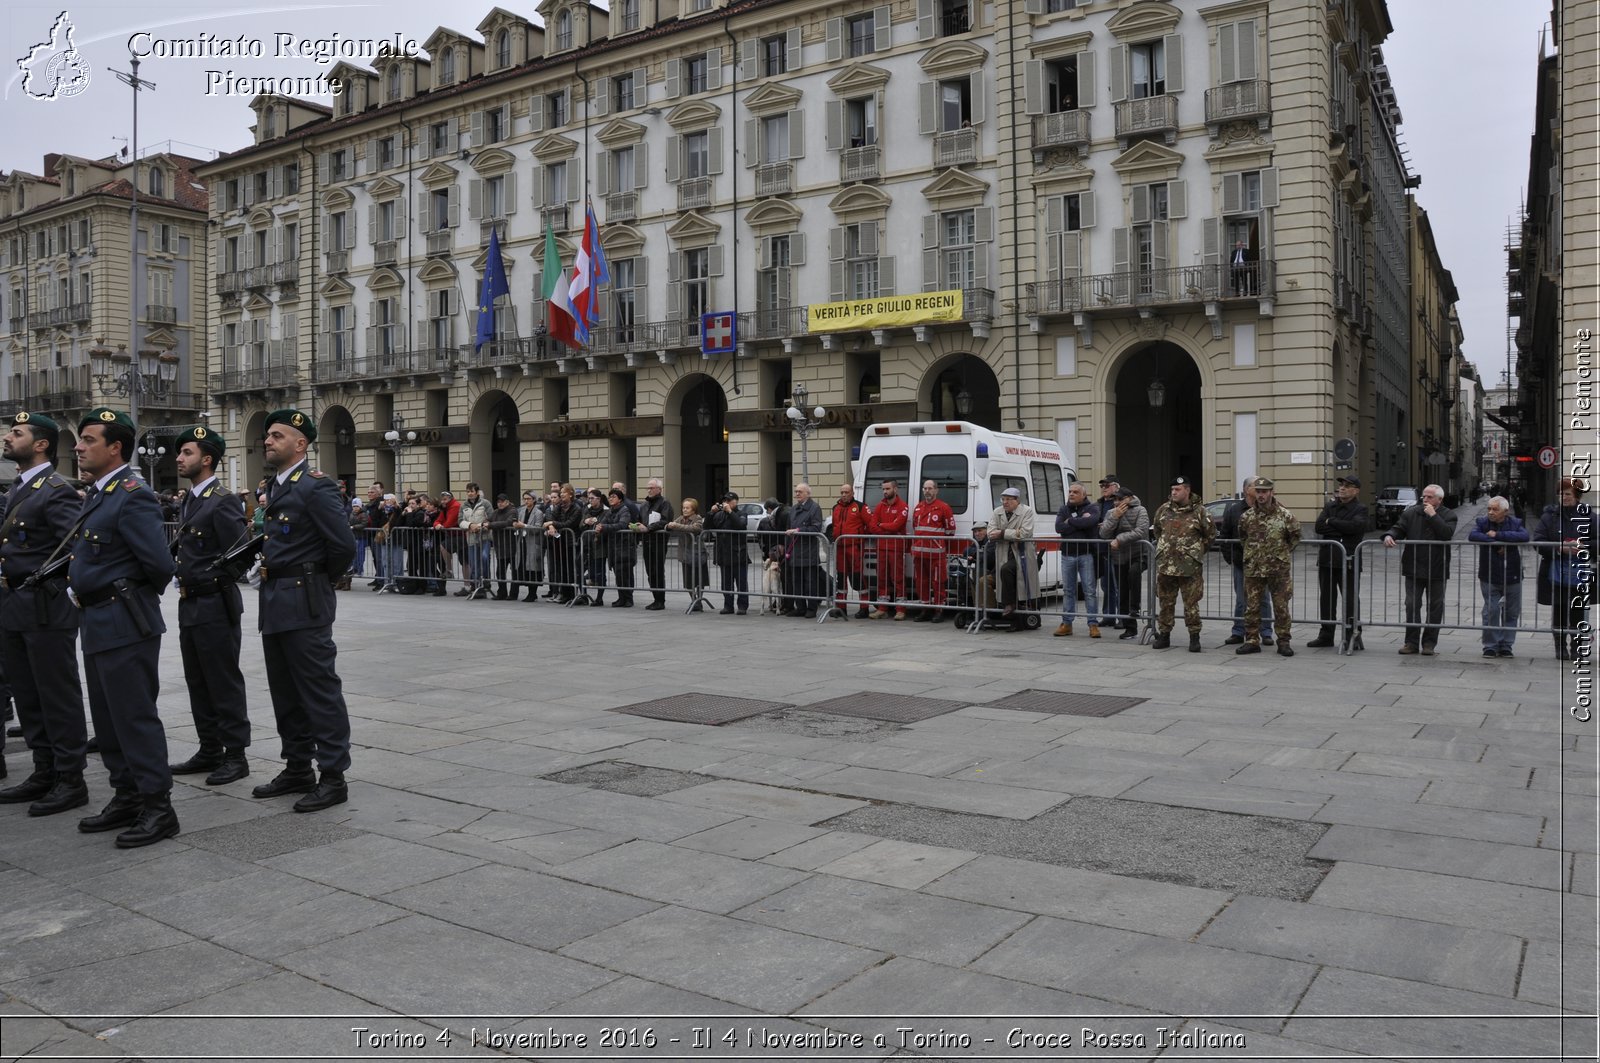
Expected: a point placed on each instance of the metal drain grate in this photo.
(892, 708)
(713, 709)
(1066, 702)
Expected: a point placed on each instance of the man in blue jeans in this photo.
(1109, 598)
(1233, 553)
(1078, 524)
(1499, 575)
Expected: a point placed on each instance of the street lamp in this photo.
(804, 426)
(398, 439)
(135, 82)
(116, 373)
(150, 454)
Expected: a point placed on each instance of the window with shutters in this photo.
(555, 183)
(86, 287)
(955, 16)
(861, 260)
(158, 182)
(291, 178)
(291, 242)
(230, 254)
(385, 334)
(259, 242)
(386, 152)
(84, 233)
(166, 238)
(269, 123)
(628, 13)
(955, 104)
(694, 74)
(775, 138)
(386, 228)
(441, 319)
(861, 121)
(774, 285)
(696, 286)
(230, 194)
(621, 170)
(338, 164)
(623, 301)
(447, 67)
(774, 55)
(1147, 70)
(1244, 233)
(697, 155)
(1149, 237)
(1054, 7)
(1061, 85)
(958, 252)
(502, 49)
(861, 35)
(495, 122)
(563, 31)
(439, 138)
(622, 91)
(341, 330)
(340, 238)
(555, 112)
(439, 209)
(494, 197)
(262, 184)
(391, 84)
(1236, 51)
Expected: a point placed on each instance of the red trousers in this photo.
(931, 577)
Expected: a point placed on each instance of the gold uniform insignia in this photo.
(107, 416)
(199, 433)
(22, 418)
(297, 420)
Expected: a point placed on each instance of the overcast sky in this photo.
(1468, 106)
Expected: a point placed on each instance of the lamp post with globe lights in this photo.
(398, 439)
(804, 425)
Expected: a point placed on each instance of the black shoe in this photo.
(1129, 633)
(464, 592)
(741, 612)
(156, 821)
(937, 617)
(123, 809)
(32, 788)
(13, 732)
(93, 745)
(1194, 643)
(1161, 641)
(234, 767)
(205, 760)
(438, 593)
(726, 610)
(295, 779)
(1490, 651)
(1321, 642)
(597, 601)
(811, 614)
(1248, 647)
(330, 790)
(1284, 649)
(1233, 640)
(862, 613)
(1266, 640)
(922, 617)
(655, 607)
(375, 584)
(1507, 652)
(68, 792)
(620, 604)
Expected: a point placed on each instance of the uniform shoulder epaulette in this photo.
(131, 484)
(315, 474)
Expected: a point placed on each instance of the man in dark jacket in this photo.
(1425, 565)
(730, 549)
(1233, 553)
(655, 513)
(1343, 518)
(1499, 575)
(804, 560)
(1078, 524)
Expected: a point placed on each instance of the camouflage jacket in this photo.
(1182, 535)
(1269, 536)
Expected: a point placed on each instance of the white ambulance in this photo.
(972, 465)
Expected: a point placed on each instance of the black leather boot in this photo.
(123, 809)
(156, 821)
(234, 767)
(330, 791)
(204, 760)
(68, 792)
(1194, 642)
(295, 778)
(32, 788)
(1161, 641)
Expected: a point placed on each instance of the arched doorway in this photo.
(1158, 421)
(250, 446)
(496, 454)
(964, 389)
(695, 438)
(336, 446)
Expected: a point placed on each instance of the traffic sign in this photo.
(1547, 457)
(719, 333)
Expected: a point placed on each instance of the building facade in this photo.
(70, 324)
(1150, 231)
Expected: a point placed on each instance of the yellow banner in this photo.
(887, 311)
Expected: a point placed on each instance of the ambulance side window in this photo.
(896, 467)
(1049, 492)
(998, 484)
(949, 471)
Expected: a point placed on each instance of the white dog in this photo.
(772, 580)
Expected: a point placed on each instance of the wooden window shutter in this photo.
(714, 260)
(372, 223)
(928, 107)
(836, 264)
(1033, 86)
(641, 165)
(475, 199)
(422, 211)
(1086, 81)
(797, 134)
(601, 100)
(508, 197)
(536, 113)
(1160, 252)
(477, 129)
(1118, 73)
(791, 50)
(1055, 214)
(881, 20)
(455, 206)
(1231, 194)
(749, 66)
(602, 173)
(886, 278)
(1086, 210)
(1119, 250)
(1211, 241)
(1139, 204)
(674, 159)
(674, 78)
(1227, 54)
(867, 238)
(713, 68)
(1172, 45)
(1245, 42)
(925, 20)
(833, 134)
(752, 142)
(797, 249)
(714, 150)
(1177, 199)
(573, 188)
(978, 91)
(1269, 186)
(833, 40)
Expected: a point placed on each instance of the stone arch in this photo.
(255, 429)
(961, 373)
(494, 455)
(336, 446)
(695, 452)
(1148, 445)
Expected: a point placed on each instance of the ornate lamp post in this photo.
(804, 425)
(398, 439)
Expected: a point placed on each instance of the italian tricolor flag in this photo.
(560, 321)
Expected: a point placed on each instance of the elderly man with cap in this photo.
(1011, 529)
(210, 523)
(1183, 531)
(1268, 534)
(1343, 519)
(38, 624)
(1110, 599)
(120, 567)
(308, 544)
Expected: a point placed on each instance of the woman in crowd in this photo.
(528, 527)
(695, 570)
(358, 528)
(562, 527)
(505, 546)
(593, 549)
(1568, 541)
(1126, 523)
(620, 545)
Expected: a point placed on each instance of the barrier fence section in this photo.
(1439, 588)
(1003, 594)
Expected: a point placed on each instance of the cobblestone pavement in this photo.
(1372, 855)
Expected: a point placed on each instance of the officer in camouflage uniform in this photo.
(1268, 533)
(1183, 532)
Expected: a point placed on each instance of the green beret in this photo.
(294, 419)
(107, 416)
(203, 437)
(37, 421)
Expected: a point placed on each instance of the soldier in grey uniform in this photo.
(120, 567)
(210, 522)
(38, 623)
(308, 548)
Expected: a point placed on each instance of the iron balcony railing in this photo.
(170, 400)
(864, 163)
(1166, 287)
(775, 179)
(162, 315)
(622, 206)
(257, 379)
(386, 252)
(774, 323)
(440, 242)
(17, 322)
(1153, 114)
(557, 216)
(1238, 100)
(1064, 129)
(956, 147)
(694, 193)
(73, 314)
(338, 262)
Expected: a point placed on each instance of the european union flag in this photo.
(494, 286)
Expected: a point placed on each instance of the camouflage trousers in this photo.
(1281, 588)
(1193, 588)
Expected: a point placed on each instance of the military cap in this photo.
(37, 421)
(1108, 479)
(203, 437)
(1261, 483)
(1179, 481)
(294, 419)
(1353, 481)
(105, 415)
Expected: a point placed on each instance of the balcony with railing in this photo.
(694, 193)
(775, 179)
(155, 399)
(277, 375)
(441, 242)
(773, 323)
(160, 315)
(1239, 101)
(864, 163)
(1151, 116)
(622, 206)
(487, 229)
(1141, 289)
(338, 262)
(557, 216)
(73, 314)
(57, 390)
(386, 252)
(955, 147)
(17, 322)
(285, 272)
(1064, 129)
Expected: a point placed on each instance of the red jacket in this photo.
(853, 519)
(449, 515)
(934, 524)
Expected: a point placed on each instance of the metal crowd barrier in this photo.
(1124, 583)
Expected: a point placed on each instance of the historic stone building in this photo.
(70, 326)
(1154, 228)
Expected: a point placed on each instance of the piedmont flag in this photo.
(587, 276)
(559, 323)
(494, 286)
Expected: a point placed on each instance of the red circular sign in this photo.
(1547, 457)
